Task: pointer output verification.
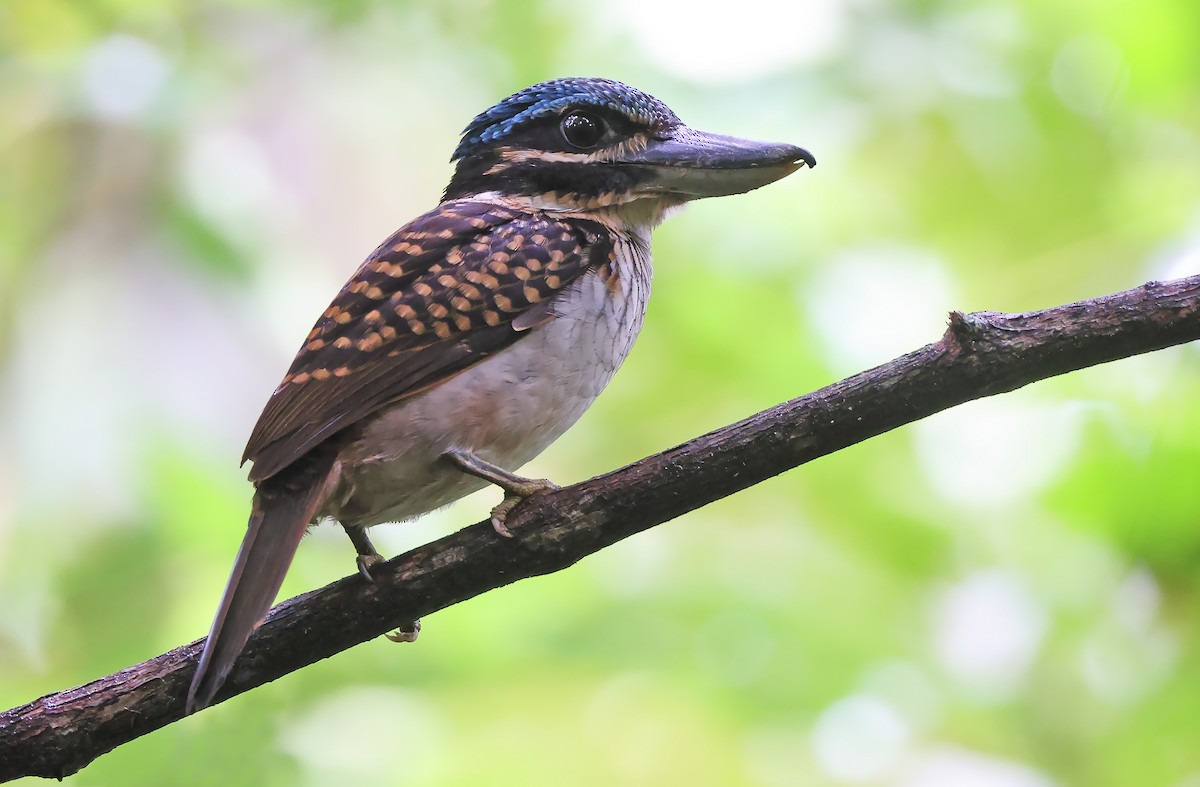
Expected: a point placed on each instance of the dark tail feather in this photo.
(283, 507)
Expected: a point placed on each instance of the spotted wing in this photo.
(456, 285)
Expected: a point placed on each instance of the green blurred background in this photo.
(1004, 595)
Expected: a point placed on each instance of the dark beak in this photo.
(694, 164)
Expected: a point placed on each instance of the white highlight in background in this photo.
(996, 452)
(953, 767)
(349, 736)
(121, 75)
(227, 177)
(734, 44)
(860, 738)
(987, 630)
(872, 304)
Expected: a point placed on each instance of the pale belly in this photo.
(506, 409)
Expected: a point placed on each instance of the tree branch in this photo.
(981, 354)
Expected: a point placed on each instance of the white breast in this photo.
(507, 408)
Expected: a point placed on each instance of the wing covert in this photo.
(438, 296)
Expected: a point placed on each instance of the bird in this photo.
(476, 334)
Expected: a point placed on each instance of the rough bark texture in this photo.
(981, 354)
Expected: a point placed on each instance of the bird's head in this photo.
(589, 144)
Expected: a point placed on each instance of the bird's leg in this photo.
(516, 488)
(368, 556)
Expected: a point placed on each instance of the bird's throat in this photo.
(636, 216)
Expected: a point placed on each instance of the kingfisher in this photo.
(474, 336)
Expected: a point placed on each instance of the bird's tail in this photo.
(284, 506)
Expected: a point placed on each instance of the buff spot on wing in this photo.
(462, 322)
(485, 280)
(438, 310)
(320, 375)
(442, 330)
(372, 341)
(341, 342)
(388, 268)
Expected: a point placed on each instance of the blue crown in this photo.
(546, 98)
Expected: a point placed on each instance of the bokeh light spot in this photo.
(121, 76)
(987, 630)
(860, 738)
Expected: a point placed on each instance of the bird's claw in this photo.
(366, 563)
(406, 633)
(513, 494)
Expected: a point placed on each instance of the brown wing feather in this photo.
(438, 296)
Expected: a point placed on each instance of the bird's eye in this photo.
(582, 130)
